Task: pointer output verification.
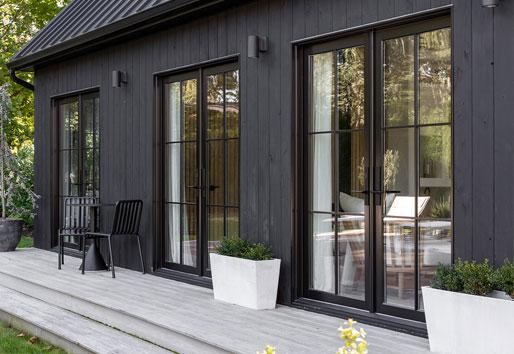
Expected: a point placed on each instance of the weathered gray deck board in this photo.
(193, 311)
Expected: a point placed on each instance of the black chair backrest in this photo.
(127, 217)
(76, 212)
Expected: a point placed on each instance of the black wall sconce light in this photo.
(490, 3)
(256, 45)
(118, 78)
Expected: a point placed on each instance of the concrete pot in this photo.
(10, 234)
(244, 282)
(463, 323)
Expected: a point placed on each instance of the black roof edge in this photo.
(137, 24)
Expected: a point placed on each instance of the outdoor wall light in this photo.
(490, 3)
(118, 78)
(256, 45)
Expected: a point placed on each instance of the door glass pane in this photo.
(435, 247)
(398, 71)
(435, 88)
(69, 124)
(215, 226)
(399, 173)
(321, 167)
(322, 259)
(190, 170)
(215, 105)
(173, 153)
(189, 107)
(216, 167)
(189, 235)
(232, 103)
(173, 120)
(172, 231)
(435, 170)
(399, 262)
(351, 224)
(323, 95)
(350, 92)
(232, 222)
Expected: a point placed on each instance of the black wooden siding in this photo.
(483, 123)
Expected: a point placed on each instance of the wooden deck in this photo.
(173, 315)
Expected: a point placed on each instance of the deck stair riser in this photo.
(116, 318)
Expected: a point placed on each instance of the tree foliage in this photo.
(21, 20)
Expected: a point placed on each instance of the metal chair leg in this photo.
(141, 253)
(58, 251)
(110, 256)
(83, 238)
(62, 249)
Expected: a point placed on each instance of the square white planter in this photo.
(244, 282)
(463, 323)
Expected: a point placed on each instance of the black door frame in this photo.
(55, 156)
(198, 72)
(372, 310)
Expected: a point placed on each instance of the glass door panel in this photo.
(181, 173)
(201, 165)
(79, 150)
(337, 168)
(416, 174)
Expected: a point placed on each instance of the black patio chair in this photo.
(75, 223)
(127, 216)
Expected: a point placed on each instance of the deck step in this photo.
(70, 331)
(107, 317)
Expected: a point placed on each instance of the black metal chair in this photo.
(127, 216)
(76, 221)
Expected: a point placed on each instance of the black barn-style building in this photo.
(365, 141)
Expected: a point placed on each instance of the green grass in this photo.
(26, 241)
(13, 341)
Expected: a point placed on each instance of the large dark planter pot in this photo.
(10, 234)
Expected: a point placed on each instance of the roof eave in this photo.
(130, 26)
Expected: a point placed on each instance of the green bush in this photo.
(467, 277)
(504, 278)
(236, 247)
(446, 278)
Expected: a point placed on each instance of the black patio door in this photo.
(78, 121)
(377, 169)
(201, 165)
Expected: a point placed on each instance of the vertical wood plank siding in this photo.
(483, 124)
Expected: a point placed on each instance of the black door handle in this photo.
(194, 187)
(213, 188)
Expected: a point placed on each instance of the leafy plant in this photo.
(467, 277)
(446, 278)
(504, 278)
(16, 179)
(442, 209)
(236, 247)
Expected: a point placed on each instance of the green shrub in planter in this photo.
(504, 278)
(236, 247)
(467, 277)
(446, 278)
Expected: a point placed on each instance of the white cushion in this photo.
(351, 204)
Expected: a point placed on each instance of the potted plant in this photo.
(12, 183)
(245, 274)
(461, 312)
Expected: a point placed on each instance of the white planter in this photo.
(462, 323)
(244, 282)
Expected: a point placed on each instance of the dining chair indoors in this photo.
(127, 217)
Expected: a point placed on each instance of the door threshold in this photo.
(398, 324)
(188, 278)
